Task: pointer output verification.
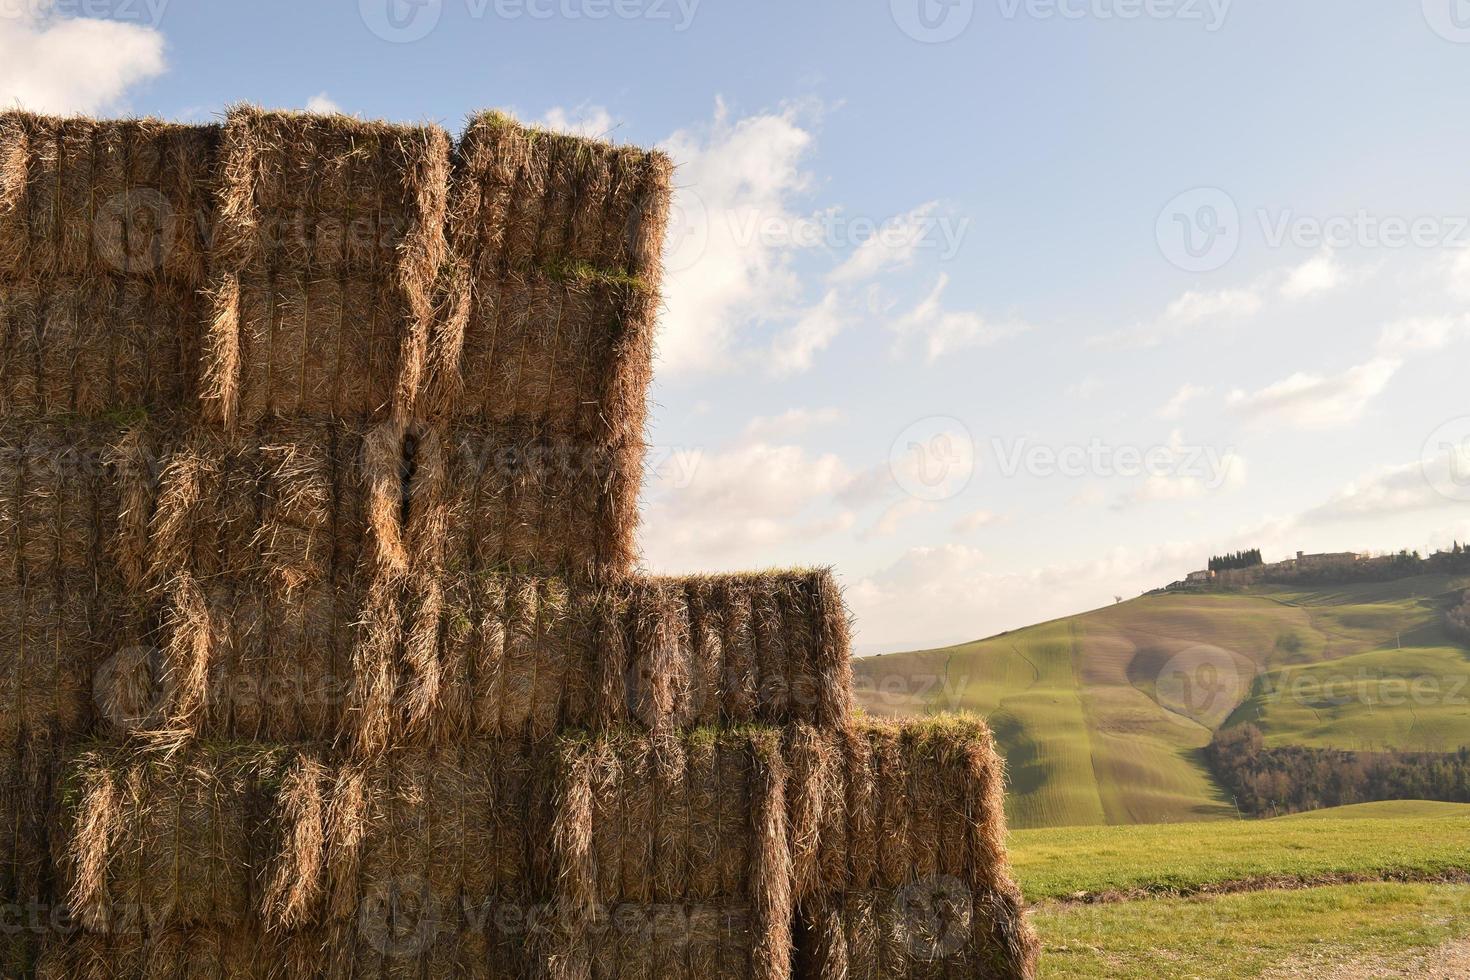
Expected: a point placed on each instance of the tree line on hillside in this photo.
(1236, 559)
(1383, 568)
(1270, 781)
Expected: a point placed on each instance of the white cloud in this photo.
(736, 505)
(734, 177)
(1418, 334)
(1193, 309)
(322, 102)
(1168, 487)
(790, 424)
(1175, 406)
(794, 349)
(1314, 401)
(1318, 275)
(591, 121)
(975, 520)
(1457, 279)
(895, 515)
(1391, 490)
(51, 63)
(892, 247)
(933, 596)
(1086, 388)
(942, 331)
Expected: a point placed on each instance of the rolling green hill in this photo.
(1102, 716)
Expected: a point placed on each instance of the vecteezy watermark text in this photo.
(407, 21)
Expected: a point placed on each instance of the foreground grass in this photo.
(1245, 934)
(1065, 863)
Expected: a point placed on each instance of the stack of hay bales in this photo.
(323, 648)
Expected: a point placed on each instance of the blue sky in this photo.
(940, 273)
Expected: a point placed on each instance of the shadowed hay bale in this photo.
(106, 344)
(514, 500)
(671, 856)
(909, 829)
(80, 197)
(527, 656)
(329, 251)
(28, 770)
(199, 837)
(53, 641)
(399, 947)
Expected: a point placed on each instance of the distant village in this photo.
(1247, 568)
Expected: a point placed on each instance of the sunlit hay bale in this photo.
(79, 197)
(96, 347)
(519, 501)
(921, 865)
(307, 201)
(740, 677)
(523, 195)
(51, 645)
(190, 838)
(816, 800)
(707, 651)
(294, 535)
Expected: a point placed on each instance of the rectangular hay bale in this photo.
(131, 197)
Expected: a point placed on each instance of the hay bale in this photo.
(517, 500)
(97, 346)
(915, 882)
(51, 646)
(28, 770)
(327, 263)
(523, 196)
(529, 655)
(78, 196)
(566, 349)
(195, 838)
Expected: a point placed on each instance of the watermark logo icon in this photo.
(400, 918)
(126, 691)
(133, 231)
(933, 459)
(1450, 19)
(1199, 230)
(933, 916)
(401, 21)
(932, 21)
(686, 235)
(1202, 683)
(1446, 459)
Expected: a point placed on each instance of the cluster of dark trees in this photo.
(1236, 559)
(1267, 782)
(1383, 568)
(1457, 620)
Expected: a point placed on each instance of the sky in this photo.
(1002, 308)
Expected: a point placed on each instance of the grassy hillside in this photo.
(1102, 716)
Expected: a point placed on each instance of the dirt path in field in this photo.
(1448, 962)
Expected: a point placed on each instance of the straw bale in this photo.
(519, 501)
(28, 768)
(565, 349)
(51, 645)
(79, 197)
(97, 346)
(920, 863)
(332, 195)
(523, 196)
(328, 262)
(197, 837)
(526, 655)
(58, 498)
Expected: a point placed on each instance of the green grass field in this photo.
(1102, 716)
(1263, 927)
